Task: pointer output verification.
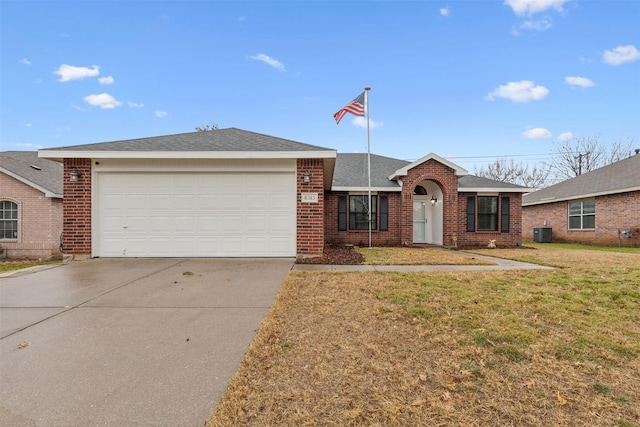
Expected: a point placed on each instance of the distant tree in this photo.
(576, 156)
(207, 128)
(515, 173)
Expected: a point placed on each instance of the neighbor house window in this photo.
(359, 212)
(8, 220)
(582, 215)
(487, 213)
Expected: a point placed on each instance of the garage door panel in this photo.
(196, 214)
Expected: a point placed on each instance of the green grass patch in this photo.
(9, 265)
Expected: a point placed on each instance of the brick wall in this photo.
(76, 235)
(481, 238)
(613, 212)
(447, 180)
(39, 220)
(310, 216)
(391, 237)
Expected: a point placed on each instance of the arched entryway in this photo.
(427, 213)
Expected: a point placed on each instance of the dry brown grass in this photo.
(525, 348)
(418, 256)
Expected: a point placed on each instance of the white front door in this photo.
(420, 221)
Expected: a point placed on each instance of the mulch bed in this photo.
(336, 255)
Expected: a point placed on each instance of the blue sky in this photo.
(468, 80)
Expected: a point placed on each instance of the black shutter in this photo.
(342, 213)
(506, 215)
(471, 214)
(384, 213)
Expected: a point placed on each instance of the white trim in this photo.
(493, 190)
(548, 200)
(459, 171)
(47, 193)
(54, 154)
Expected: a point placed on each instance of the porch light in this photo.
(434, 200)
(306, 178)
(74, 175)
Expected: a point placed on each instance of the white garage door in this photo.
(203, 214)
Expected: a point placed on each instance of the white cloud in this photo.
(28, 125)
(69, 72)
(105, 80)
(522, 91)
(269, 61)
(530, 7)
(25, 61)
(537, 133)
(566, 136)
(537, 24)
(579, 81)
(135, 104)
(621, 55)
(161, 114)
(445, 11)
(361, 122)
(103, 100)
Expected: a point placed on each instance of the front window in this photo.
(582, 215)
(487, 213)
(8, 220)
(359, 212)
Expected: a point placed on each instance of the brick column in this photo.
(76, 207)
(310, 216)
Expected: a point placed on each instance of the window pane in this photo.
(589, 221)
(358, 212)
(8, 220)
(589, 207)
(487, 222)
(574, 222)
(488, 204)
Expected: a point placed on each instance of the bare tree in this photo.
(515, 173)
(207, 128)
(576, 156)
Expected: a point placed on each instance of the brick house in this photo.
(595, 208)
(234, 193)
(30, 205)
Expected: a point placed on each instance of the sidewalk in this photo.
(501, 264)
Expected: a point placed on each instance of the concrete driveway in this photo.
(128, 342)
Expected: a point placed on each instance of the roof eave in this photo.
(360, 189)
(459, 171)
(493, 190)
(59, 155)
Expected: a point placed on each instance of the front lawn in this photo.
(7, 264)
(526, 348)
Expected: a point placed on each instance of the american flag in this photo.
(355, 107)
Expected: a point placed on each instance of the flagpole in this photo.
(366, 109)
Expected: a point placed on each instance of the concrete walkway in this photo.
(500, 264)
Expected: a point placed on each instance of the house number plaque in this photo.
(309, 197)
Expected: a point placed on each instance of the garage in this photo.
(220, 193)
(209, 211)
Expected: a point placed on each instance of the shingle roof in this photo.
(473, 182)
(351, 171)
(351, 174)
(619, 177)
(229, 139)
(44, 175)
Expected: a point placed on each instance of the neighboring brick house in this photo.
(234, 193)
(30, 205)
(601, 207)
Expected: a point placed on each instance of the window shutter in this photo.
(506, 215)
(342, 213)
(471, 214)
(384, 213)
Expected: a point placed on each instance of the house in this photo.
(30, 205)
(235, 193)
(601, 207)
